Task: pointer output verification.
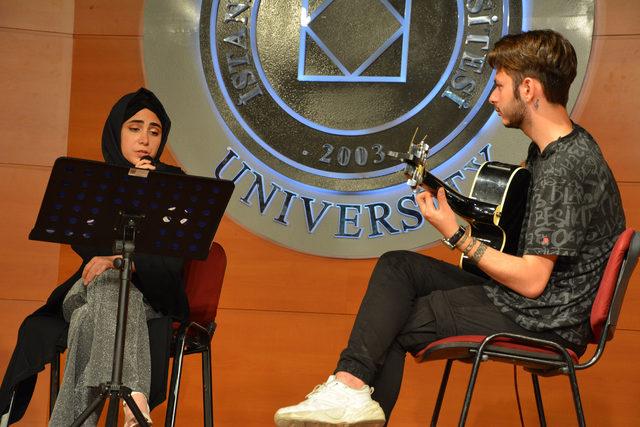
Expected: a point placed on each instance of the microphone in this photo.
(148, 157)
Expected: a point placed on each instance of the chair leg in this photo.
(207, 392)
(443, 387)
(576, 396)
(54, 382)
(174, 387)
(536, 391)
(472, 383)
(4, 419)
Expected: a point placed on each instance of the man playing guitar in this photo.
(572, 218)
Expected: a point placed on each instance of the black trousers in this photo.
(413, 300)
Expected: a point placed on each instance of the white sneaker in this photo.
(333, 404)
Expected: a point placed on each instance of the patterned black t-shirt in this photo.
(573, 211)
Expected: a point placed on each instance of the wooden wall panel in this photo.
(617, 17)
(34, 113)
(36, 47)
(29, 268)
(611, 388)
(608, 106)
(270, 284)
(53, 15)
(11, 315)
(115, 17)
(274, 361)
(104, 69)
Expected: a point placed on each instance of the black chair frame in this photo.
(191, 338)
(559, 362)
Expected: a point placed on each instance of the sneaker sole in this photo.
(303, 423)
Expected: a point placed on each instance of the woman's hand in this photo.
(145, 163)
(96, 266)
(439, 215)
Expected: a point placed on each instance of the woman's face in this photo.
(140, 136)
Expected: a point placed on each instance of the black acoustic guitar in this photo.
(495, 207)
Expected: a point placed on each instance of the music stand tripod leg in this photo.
(92, 407)
(137, 413)
(114, 389)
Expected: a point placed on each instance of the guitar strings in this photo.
(413, 138)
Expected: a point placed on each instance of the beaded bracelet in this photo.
(469, 246)
(477, 255)
(465, 236)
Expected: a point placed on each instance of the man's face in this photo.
(507, 102)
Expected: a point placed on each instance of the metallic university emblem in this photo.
(298, 102)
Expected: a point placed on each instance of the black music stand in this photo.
(94, 204)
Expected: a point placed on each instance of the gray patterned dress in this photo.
(91, 313)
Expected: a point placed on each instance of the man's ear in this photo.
(527, 89)
(531, 89)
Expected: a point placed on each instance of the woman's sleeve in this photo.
(160, 279)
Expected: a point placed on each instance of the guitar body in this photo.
(505, 188)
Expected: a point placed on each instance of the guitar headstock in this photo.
(416, 162)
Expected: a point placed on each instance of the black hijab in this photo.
(124, 109)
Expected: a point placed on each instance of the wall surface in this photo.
(36, 47)
(284, 316)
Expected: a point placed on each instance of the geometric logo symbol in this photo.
(338, 46)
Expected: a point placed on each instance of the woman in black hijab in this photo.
(134, 135)
(121, 112)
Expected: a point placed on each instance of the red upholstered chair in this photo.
(203, 285)
(540, 357)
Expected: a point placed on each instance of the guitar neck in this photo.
(466, 207)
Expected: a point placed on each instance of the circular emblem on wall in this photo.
(299, 102)
(324, 97)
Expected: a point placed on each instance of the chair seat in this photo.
(465, 347)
